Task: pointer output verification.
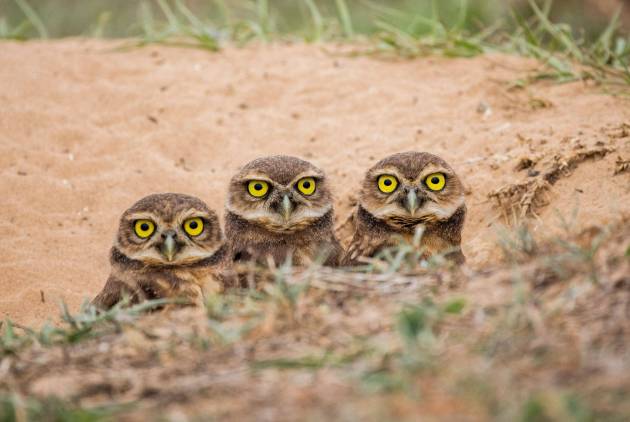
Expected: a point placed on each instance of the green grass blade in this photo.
(192, 19)
(224, 11)
(172, 20)
(264, 20)
(562, 37)
(435, 12)
(17, 33)
(462, 16)
(198, 29)
(344, 17)
(147, 22)
(101, 24)
(33, 18)
(316, 18)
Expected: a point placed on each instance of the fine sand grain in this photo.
(86, 130)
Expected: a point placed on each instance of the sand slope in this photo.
(85, 130)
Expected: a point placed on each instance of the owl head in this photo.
(279, 193)
(168, 229)
(411, 188)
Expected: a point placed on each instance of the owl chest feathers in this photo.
(436, 236)
(250, 242)
(188, 282)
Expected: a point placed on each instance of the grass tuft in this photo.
(33, 18)
(455, 28)
(568, 58)
(86, 324)
(16, 408)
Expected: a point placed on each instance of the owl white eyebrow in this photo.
(254, 176)
(313, 174)
(192, 213)
(430, 169)
(388, 171)
(141, 216)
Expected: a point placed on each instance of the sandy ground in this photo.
(86, 130)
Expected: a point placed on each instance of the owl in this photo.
(405, 193)
(280, 208)
(168, 245)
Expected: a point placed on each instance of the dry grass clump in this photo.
(621, 166)
(618, 131)
(542, 335)
(521, 198)
(525, 198)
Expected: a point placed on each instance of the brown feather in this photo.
(381, 220)
(256, 232)
(139, 272)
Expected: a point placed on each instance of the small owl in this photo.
(168, 245)
(404, 193)
(280, 208)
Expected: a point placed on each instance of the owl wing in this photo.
(362, 245)
(334, 253)
(456, 257)
(112, 293)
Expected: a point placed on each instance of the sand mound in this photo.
(86, 129)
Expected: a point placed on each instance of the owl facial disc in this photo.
(281, 194)
(169, 229)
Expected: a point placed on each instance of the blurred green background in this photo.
(125, 18)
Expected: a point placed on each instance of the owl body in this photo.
(279, 208)
(251, 243)
(168, 246)
(409, 196)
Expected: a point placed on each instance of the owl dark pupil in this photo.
(193, 225)
(387, 182)
(144, 227)
(307, 185)
(258, 186)
(435, 180)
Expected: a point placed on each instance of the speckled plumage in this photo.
(256, 228)
(382, 220)
(139, 267)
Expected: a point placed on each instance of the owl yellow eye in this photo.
(435, 181)
(144, 228)
(387, 183)
(193, 226)
(306, 186)
(258, 188)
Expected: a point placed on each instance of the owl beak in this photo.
(287, 207)
(169, 247)
(412, 202)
